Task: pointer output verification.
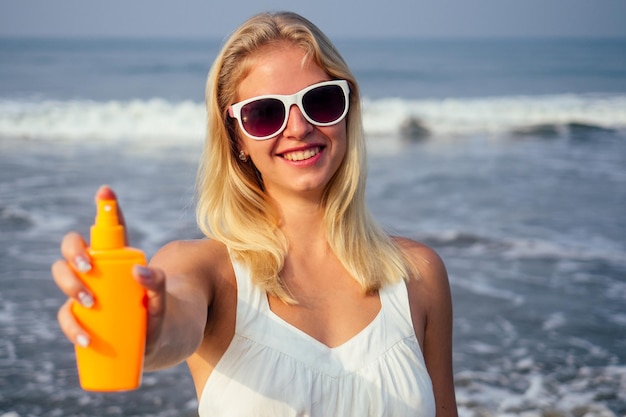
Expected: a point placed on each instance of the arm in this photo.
(431, 311)
(177, 322)
(177, 305)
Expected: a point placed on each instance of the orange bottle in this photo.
(116, 323)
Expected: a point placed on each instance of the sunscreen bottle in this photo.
(116, 323)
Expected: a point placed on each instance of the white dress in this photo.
(273, 369)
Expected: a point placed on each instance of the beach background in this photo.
(508, 156)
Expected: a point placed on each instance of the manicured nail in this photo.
(86, 300)
(82, 340)
(143, 272)
(82, 264)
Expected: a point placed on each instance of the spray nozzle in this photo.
(107, 232)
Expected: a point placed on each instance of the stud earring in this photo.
(243, 157)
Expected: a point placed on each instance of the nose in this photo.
(297, 125)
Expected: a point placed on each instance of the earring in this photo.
(242, 156)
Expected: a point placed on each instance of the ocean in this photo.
(506, 156)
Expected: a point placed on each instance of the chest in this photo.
(333, 317)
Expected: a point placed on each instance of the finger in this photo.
(153, 280)
(74, 250)
(70, 327)
(106, 193)
(66, 279)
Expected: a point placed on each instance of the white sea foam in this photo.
(537, 394)
(562, 249)
(495, 115)
(486, 289)
(554, 321)
(134, 120)
(541, 249)
(175, 122)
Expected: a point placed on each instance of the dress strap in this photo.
(395, 301)
(250, 302)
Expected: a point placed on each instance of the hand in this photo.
(76, 258)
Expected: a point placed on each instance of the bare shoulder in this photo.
(182, 255)
(429, 287)
(203, 263)
(426, 262)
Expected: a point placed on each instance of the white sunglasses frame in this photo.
(234, 111)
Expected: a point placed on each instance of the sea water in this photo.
(506, 156)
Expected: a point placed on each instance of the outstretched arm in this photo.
(178, 291)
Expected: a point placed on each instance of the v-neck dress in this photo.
(271, 368)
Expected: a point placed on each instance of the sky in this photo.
(355, 18)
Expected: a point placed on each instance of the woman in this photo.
(298, 304)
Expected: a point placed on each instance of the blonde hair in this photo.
(232, 205)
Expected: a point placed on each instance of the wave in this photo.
(184, 121)
(524, 248)
(540, 116)
(154, 119)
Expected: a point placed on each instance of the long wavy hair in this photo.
(232, 206)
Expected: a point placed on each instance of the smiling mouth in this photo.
(302, 155)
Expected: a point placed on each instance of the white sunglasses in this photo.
(322, 104)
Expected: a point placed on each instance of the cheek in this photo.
(258, 148)
(339, 135)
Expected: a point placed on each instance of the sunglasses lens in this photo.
(263, 117)
(324, 104)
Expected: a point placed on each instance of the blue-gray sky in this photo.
(356, 18)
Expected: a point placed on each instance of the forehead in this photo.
(279, 69)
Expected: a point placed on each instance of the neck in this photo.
(302, 221)
(309, 253)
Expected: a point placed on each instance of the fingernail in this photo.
(82, 264)
(82, 340)
(86, 300)
(143, 272)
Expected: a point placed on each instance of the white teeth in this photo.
(301, 155)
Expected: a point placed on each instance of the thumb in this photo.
(153, 280)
